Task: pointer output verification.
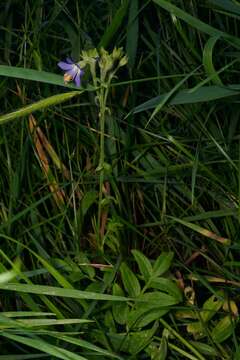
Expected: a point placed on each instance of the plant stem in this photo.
(183, 341)
(102, 100)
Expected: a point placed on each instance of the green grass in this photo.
(147, 265)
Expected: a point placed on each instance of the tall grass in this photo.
(164, 284)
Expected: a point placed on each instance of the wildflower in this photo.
(73, 71)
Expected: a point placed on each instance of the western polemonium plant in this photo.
(103, 67)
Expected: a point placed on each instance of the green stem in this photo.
(183, 341)
(102, 100)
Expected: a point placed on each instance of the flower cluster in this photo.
(102, 65)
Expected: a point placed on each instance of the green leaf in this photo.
(86, 345)
(162, 264)
(202, 231)
(202, 94)
(141, 317)
(204, 349)
(170, 94)
(51, 322)
(56, 291)
(39, 105)
(34, 75)
(144, 264)
(25, 314)
(223, 330)
(196, 23)
(161, 353)
(59, 353)
(132, 33)
(115, 25)
(130, 281)
(227, 5)
(119, 310)
(167, 286)
(156, 299)
(87, 201)
(208, 60)
(23, 357)
(139, 340)
(211, 306)
(132, 342)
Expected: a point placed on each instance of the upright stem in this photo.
(102, 100)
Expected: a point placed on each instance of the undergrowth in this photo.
(120, 228)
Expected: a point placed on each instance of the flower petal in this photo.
(69, 60)
(77, 80)
(65, 66)
(72, 72)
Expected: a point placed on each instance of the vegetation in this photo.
(120, 198)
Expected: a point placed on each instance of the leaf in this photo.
(56, 291)
(167, 286)
(139, 340)
(208, 60)
(130, 281)
(170, 94)
(39, 105)
(161, 353)
(204, 349)
(119, 310)
(202, 94)
(59, 353)
(34, 75)
(196, 23)
(202, 231)
(86, 345)
(132, 342)
(23, 357)
(223, 329)
(115, 25)
(211, 307)
(144, 264)
(51, 322)
(156, 299)
(141, 317)
(162, 264)
(87, 201)
(132, 33)
(227, 5)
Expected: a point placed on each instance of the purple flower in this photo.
(73, 71)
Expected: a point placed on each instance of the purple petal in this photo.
(78, 76)
(65, 66)
(72, 72)
(77, 80)
(69, 60)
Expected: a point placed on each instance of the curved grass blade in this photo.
(203, 94)
(40, 105)
(208, 60)
(196, 23)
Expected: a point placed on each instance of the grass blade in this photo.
(56, 291)
(40, 105)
